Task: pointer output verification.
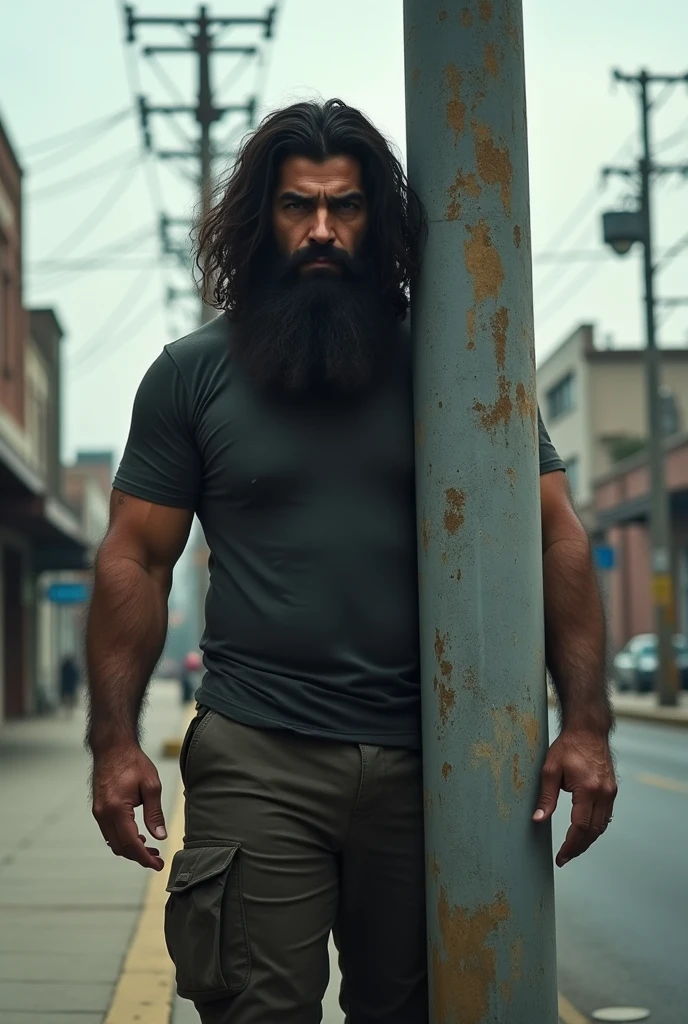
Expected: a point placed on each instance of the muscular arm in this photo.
(579, 761)
(125, 634)
(127, 620)
(575, 635)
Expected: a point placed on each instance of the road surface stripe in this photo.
(568, 1014)
(664, 782)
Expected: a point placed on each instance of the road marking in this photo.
(568, 1014)
(145, 990)
(664, 782)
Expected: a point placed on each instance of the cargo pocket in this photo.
(205, 927)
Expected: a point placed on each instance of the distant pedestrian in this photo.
(70, 677)
(192, 674)
(286, 425)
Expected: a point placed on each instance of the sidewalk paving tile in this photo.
(11, 1017)
(67, 997)
(62, 966)
(68, 908)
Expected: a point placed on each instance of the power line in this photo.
(150, 168)
(672, 252)
(94, 173)
(574, 218)
(127, 304)
(120, 245)
(681, 135)
(64, 138)
(70, 151)
(143, 319)
(266, 62)
(567, 293)
(119, 187)
(204, 40)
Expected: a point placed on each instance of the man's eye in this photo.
(348, 204)
(294, 205)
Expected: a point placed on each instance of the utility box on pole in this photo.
(489, 868)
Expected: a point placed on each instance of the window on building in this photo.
(573, 475)
(562, 397)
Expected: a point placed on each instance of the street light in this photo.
(621, 230)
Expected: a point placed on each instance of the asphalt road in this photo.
(622, 908)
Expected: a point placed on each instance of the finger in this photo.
(150, 849)
(133, 847)
(579, 835)
(111, 839)
(151, 794)
(601, 816)
(549, 792)
(107, 829)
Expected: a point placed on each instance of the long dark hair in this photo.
(240, 220)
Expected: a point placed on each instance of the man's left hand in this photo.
(580, 763)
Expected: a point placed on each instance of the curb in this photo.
(654, 716)
(657, 717)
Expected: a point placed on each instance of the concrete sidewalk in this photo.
(68, 908)
(644, 707)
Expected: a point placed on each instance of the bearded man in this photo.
(286, 425)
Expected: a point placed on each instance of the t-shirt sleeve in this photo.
(161, 461)
(549, 458)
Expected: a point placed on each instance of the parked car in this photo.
(635, 667)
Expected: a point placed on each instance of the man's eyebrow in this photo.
(298, 197)
(348, 197)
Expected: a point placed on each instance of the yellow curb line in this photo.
(663, 782)
(145, 990)
(568, 1014)
(653, 715)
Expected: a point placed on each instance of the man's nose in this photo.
(321, 230)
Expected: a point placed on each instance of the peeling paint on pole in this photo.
(489, 879)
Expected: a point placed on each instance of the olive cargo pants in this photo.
(287, 839)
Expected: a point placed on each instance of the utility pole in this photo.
(205, 117)
(489, 876)
(204, 43)
(204, 39)
(640, 224)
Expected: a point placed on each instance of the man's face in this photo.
(315, 323)
(319, 204)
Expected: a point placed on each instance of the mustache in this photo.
(350, 266)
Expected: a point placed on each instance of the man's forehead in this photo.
(335, 174)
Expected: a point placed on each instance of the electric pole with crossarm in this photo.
(621, 230)
(204, 33)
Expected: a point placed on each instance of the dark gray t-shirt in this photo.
(311, 614)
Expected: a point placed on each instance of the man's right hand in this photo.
(124, 779)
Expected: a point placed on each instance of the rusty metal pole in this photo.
(489, 869)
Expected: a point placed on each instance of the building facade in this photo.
(622, 506)
(39, 533)
(86, 489)
(594, 405)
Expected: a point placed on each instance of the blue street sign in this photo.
(604, 557)
(67, 593)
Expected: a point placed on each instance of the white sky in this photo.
(63, 64)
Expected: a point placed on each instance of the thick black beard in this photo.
(318, 335)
